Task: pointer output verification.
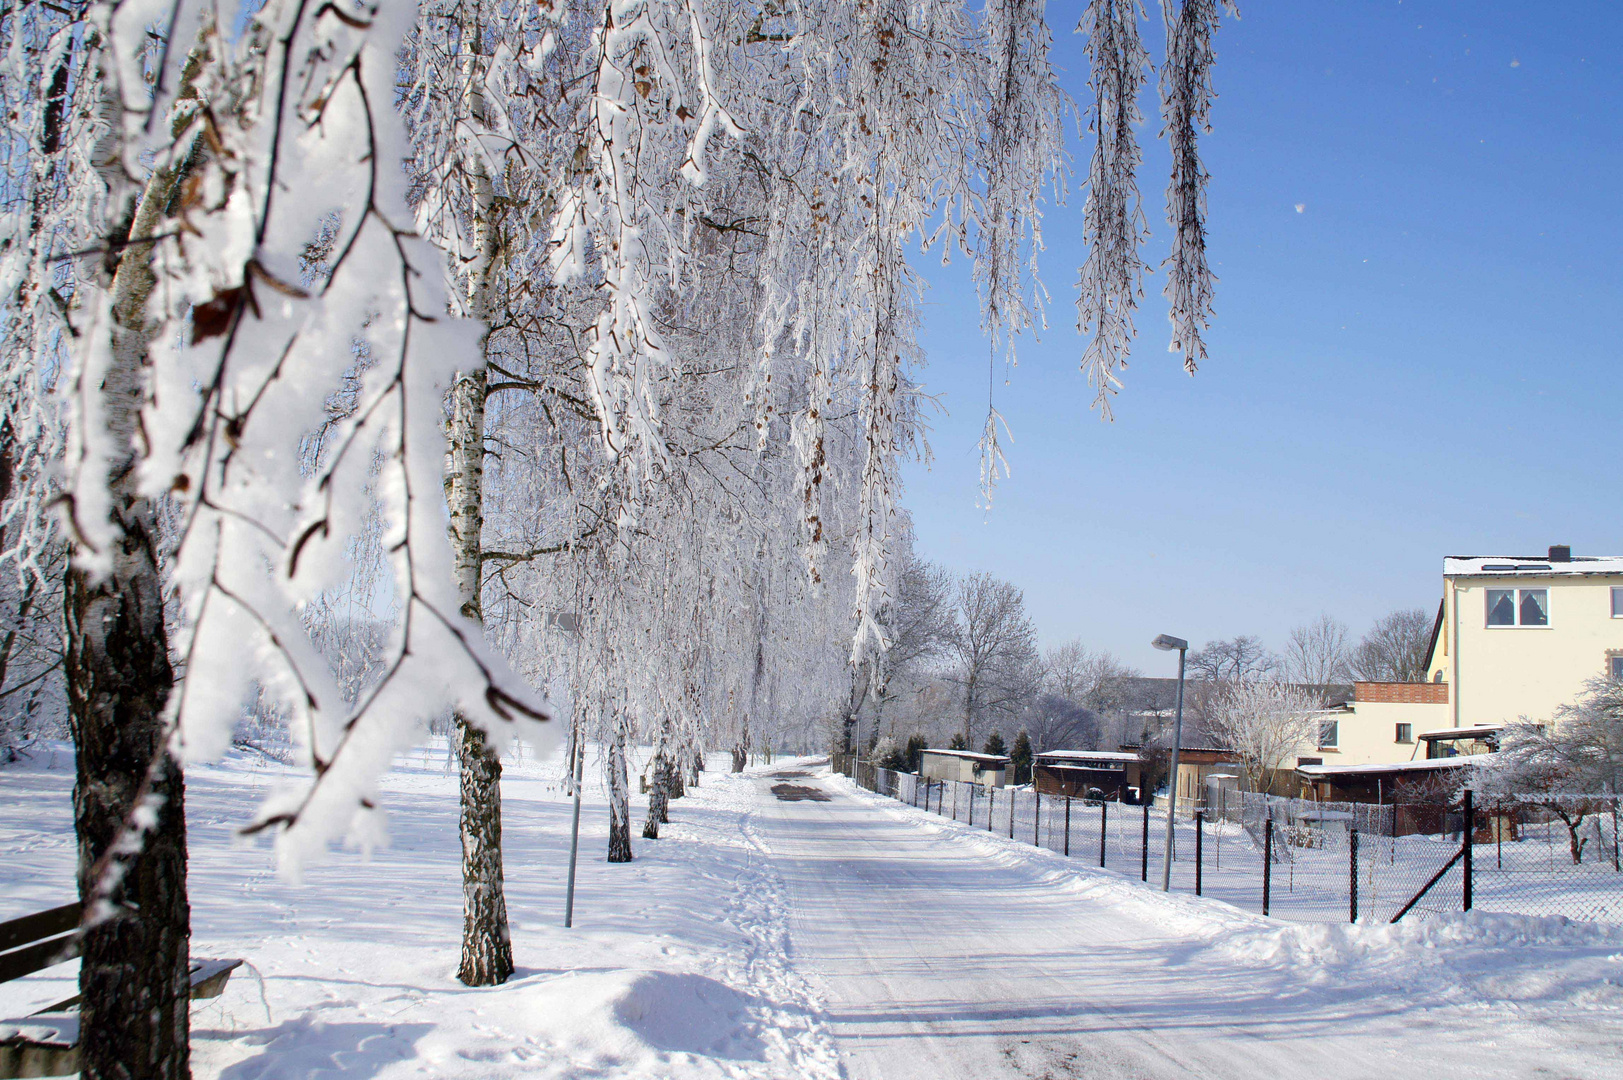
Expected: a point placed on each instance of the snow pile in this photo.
(1466, 956)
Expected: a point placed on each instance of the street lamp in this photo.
(1166, 643)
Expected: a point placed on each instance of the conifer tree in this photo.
(915, 748)
(1020, 758)
(995, 745)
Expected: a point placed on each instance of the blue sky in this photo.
(1421, 361)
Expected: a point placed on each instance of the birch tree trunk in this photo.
(619, 797)
(134, 1017)
(487, 953)
(658, 796)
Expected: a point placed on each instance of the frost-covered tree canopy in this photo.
(661, 250)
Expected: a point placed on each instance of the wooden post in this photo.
(1267, 859)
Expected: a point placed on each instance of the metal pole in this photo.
(574, 835)
(1037, 815)
(1172, 780)
(1470, 819)
(1200, 818)
(1068, 827)
(1144, 848)
(1103, 821)
(1012, 801)
(1352, 877)
(1267, 859)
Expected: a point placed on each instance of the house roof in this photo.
(1432, 765)
(1088, 755)
(985, 759)
(1530, 566)
(1476, 731)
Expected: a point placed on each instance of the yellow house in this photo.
(1515, 636)
(1520, 636)
(1382, 723)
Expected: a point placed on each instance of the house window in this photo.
(1617, 603)
(1328, 731)
(1405, 733)
(1519, 607)
(1614, 666)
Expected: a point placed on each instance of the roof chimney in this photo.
(1560, 553)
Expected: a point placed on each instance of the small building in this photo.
(1195, 764)
(1087, 774)
(966, 766)
(1381, 784)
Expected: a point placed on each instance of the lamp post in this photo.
(1167, 643)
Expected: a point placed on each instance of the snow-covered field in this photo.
(844, 934)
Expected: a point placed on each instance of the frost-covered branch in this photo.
(1186, 99)
(1113, 218)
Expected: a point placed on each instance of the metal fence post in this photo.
(1144, 848)
(1068, 827)
(1267, 859)
(1617, 859)
(971, 821)
(1467, 840)
(1352, 876)
(1037, 817)
(1200, 818)
(1103, 820)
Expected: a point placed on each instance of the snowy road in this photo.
(943, 953)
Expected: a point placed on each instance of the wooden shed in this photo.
(1087, 774)
(966, 766)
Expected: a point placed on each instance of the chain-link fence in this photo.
(1320, 862)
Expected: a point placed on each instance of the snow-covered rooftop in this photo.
(1530, 566)
(1430, 765)
(996, 759)
(1088, 755)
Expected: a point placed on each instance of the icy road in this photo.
(794, 928)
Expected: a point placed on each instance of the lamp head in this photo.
(1168, 643)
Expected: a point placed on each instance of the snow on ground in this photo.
(841, 934)
(675, 967)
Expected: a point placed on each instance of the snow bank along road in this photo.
(816, 931)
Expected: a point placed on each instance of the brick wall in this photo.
(1402, 693)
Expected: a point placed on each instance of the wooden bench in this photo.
(46, 1043)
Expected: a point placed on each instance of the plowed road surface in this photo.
(944, 953)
